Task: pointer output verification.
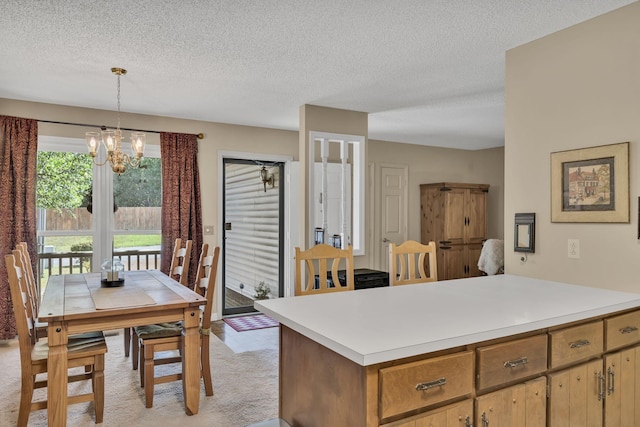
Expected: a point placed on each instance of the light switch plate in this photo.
(573, 248)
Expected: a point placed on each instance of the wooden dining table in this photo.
(78, 303)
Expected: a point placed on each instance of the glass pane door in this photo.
(252, 233)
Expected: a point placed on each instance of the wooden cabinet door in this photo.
(573, 396)
(622, 401)
(458, 261)
(523, 405)
(455, 219)
(536, 400)
(476, 216)
(456, 415)
(452, 261)
(473, 255)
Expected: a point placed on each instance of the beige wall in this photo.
(425, 164)
(218, 137)
(576, 88)
(314, 118)
(433, 164)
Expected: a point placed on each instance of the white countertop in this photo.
(376, 325)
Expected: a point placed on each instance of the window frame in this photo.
(102, 227)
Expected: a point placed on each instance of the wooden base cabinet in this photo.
(456, 415)
(575, 396)
(522, 405)
(622, 399)
(583, 374)
(579, 395)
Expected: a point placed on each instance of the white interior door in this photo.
(393, 201)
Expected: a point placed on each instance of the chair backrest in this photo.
(179, 269)
(202, 271)
(316, 262)
(206, 284)
(23, 260)
(409, 261)
(24, 321)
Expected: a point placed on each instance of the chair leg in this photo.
(26, 395)
(135, 347)
(127, 341)
(205, 364)
(98, 387)
(148, 374)
(141, 361)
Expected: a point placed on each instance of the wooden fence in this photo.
(136, 218)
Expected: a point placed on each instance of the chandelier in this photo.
(112, 141)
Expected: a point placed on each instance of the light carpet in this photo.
(245, 387)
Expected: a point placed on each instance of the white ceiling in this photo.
(427, 71)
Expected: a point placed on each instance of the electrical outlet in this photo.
(208, 229)
(573, 248)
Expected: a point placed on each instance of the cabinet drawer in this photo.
(576, 343)
(510, 361)
(420, 384)
(622, 330)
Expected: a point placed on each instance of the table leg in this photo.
(57, 376)
(191, 361)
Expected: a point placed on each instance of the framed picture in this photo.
(590, 184)
(525, 232)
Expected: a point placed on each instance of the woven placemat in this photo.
(110, 298)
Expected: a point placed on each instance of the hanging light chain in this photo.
(118, 100)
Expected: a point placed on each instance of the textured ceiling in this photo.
(427, 71)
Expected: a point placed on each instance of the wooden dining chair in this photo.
(168, 336)
(179, 270)
(27, 272)
(85, 350)
(322, 266)
(23, 261)
(410, 261)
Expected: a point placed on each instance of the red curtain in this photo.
(181, 203)
(18, 160)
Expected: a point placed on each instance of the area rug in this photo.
(250, 322)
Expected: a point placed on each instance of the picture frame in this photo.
(591, 184)
(525, 232)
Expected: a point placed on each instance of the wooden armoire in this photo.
(454, 216)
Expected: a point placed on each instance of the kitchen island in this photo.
(394, 355)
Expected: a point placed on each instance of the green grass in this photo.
(64, 243)
(138, 240)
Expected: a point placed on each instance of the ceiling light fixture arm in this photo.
(112, 141)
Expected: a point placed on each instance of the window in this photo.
(347, 152)
(86, 212)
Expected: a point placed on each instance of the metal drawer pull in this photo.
(484, 419)
(611, 377)
(601, 385)
(431, 384)
(578, 344)
(517, 362)
(628, 329)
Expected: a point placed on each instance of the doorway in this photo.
(393, 215)
(252, 233)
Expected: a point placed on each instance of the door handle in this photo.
(385, 240)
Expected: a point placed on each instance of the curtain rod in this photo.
(103, 127)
